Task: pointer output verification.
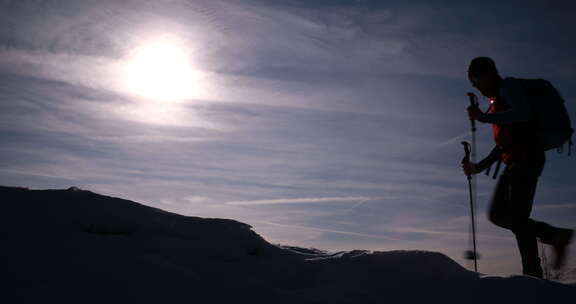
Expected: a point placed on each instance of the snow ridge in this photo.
(76, 246)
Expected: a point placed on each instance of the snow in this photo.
(75, 246)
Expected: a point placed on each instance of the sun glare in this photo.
(161, 71)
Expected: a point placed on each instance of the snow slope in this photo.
(75, 246)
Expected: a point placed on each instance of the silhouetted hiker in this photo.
(517, 145)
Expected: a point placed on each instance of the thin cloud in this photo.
(555, 206)
(446, 233)
(195, 199)
(311, 200)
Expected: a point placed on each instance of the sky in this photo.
(326, 124)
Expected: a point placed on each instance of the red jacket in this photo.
(518, 141)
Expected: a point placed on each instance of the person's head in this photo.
(484, 76)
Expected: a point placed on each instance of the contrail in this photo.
(330, 230)
(356, 205)
(450, 141)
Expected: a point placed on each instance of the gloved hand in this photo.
(470, 168)
(474, 113)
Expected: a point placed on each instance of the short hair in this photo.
(480, 65)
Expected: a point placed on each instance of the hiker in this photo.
(518, 147)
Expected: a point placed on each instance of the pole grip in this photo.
(466, 151)
(473, 103)
(466, 157)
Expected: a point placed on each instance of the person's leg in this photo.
(528, 247)
(521, 193)
(510, 209)
(503, 213)
(560, 242)
(498, 212)
(522, 190)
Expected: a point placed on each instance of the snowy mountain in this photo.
(76, 246)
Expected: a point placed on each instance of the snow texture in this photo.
(76, 246)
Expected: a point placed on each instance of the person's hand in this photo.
(470, 168)
(475, 113)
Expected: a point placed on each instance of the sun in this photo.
(161, 71)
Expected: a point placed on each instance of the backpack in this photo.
(550, 113)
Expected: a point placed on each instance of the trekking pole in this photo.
(471, 255)
(474, 103)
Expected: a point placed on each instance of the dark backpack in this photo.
(550, 112)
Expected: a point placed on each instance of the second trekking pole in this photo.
(473, 254)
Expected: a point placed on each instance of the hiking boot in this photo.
(560, 244)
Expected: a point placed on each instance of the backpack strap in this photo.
(560, 149)
(495, 175)
(497, 169)
(570, 143)
(498, 164)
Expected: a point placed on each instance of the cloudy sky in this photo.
(327, 124)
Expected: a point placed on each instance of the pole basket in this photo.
(471, 255)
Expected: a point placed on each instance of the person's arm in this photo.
(489, 160)
(515, 96)
(471, 168)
